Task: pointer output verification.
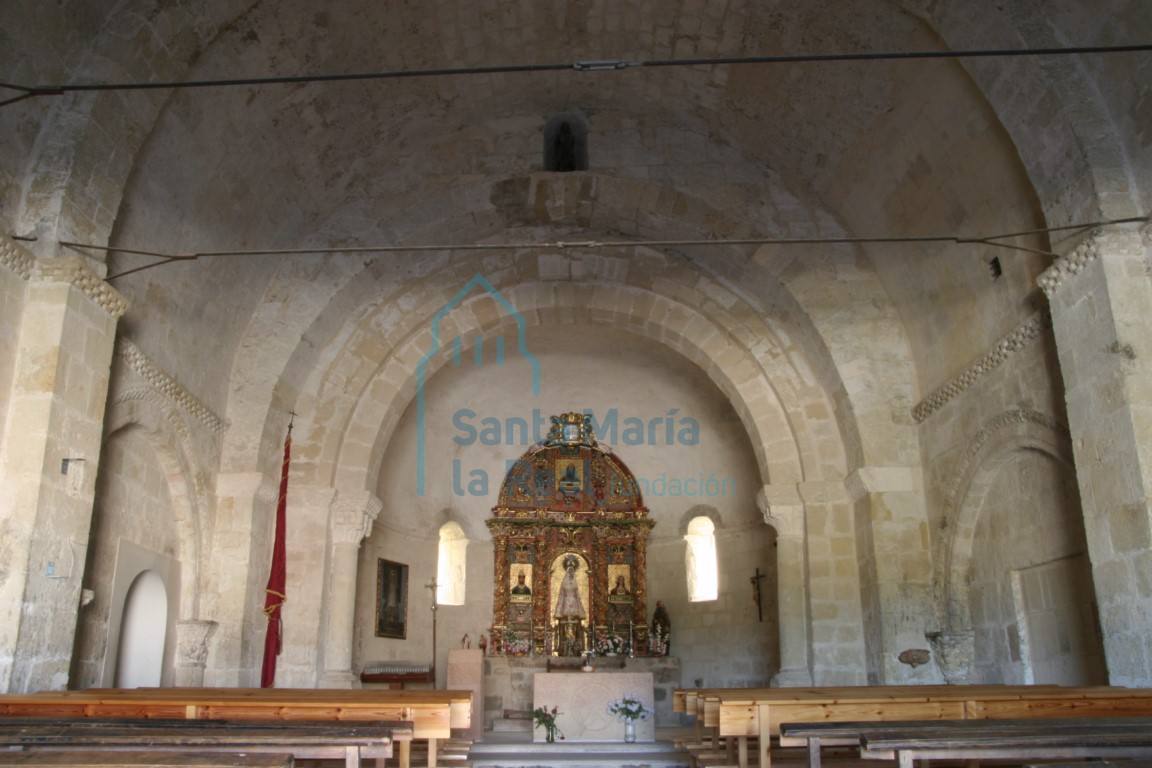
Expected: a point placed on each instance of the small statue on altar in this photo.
(570, 612)
(568, 603)
(660, 638)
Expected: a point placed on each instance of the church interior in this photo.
(753, 343)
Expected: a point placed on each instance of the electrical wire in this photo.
(30, 91)
(989, 240)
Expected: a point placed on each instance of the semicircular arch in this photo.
(994, 445)
(766, 392)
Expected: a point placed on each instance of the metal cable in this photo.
(989, 240)
(29, 91)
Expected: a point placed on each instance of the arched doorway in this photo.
(143, 630)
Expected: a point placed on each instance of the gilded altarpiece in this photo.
(570, 533)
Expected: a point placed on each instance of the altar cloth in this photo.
(582, 699)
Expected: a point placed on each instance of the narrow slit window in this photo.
(451, 565)
(700, 560)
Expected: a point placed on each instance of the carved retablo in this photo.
(570, 531)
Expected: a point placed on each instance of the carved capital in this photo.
(866, 480)
(192, 636)
(353, 514)
(782, 509)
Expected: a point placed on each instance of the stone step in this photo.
(577, 755)
(512, 724)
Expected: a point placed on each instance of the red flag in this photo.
(277, 578)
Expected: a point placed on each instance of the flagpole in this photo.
(432, 585)
(276, 591)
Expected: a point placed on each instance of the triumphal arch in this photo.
(570, 533)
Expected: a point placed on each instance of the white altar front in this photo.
(583, 699)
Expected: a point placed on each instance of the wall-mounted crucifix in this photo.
(756, 592)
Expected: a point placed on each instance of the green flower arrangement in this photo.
(542, 716)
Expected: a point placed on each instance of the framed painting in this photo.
(391, 599)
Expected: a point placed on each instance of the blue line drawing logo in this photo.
(457, 351)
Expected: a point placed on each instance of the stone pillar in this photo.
(1101, 302)
(48, 461)
(896, 567)
(234, 587)
(783, 510)
(352, 517)
(192, 638)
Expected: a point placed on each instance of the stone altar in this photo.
(583, 699)
(509, 682)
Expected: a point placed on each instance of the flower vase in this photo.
(629, 731)
(550, 735)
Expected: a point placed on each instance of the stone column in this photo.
(1101, 301)
(352, 517)
(836, 632)
(49, 458)
(896, 568)
(783, 510)
(192, 638)
(234, 586)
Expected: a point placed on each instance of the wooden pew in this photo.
(743, 714)
(316, 740)
(55, 758)
(1027, 739)
(970, 733)
(433, 713)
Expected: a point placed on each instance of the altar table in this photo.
(582, 699)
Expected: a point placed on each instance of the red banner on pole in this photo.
(277, 577)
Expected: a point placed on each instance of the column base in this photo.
(339, 678)
(792, 678)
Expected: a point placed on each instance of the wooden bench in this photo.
(1017, 740)
(432, 713)
(57, 758)
(316, 740)
(737, 715)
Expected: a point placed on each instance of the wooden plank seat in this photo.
(1018, 740)
(59, 758)
(738, 714)
(315, 740)
(432, 713)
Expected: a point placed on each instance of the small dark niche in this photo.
(566, 144)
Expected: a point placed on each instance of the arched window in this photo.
(700, 560)
(451, 565)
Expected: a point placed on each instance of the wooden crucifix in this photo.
(756, 592)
